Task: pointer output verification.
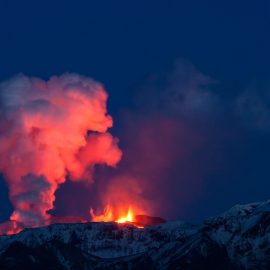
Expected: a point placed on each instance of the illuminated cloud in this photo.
(48, 130)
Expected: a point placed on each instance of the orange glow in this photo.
(13, 231)
(55, 129)
(107, 215)
(129, 217)
(10, 227)
(119, 215)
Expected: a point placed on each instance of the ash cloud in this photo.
(183, 92)
(167, 142)
(185, 145)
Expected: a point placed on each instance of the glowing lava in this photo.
(126, 215)
(128, 218)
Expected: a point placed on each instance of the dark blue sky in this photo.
(131, 47)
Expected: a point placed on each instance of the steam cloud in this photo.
(48, 131)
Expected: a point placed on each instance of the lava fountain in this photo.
(126, 215)
(118, 215)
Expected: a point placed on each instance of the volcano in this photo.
(125, 215)
(139, 221)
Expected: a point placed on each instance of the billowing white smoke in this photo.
(49, 130)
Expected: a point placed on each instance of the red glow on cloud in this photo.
(49, 130)
(58, 130)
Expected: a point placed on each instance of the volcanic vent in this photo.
(127, 217)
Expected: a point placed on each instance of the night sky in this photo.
(189, 92)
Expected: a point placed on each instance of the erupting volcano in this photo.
(110, 215)
(53, 131)
(122, 215)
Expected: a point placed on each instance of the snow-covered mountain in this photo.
(237, 239)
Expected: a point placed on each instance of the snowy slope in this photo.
(237, 239)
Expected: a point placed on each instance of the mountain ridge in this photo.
(237, 239)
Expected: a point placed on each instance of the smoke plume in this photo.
(165, 137)
(50, 131)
